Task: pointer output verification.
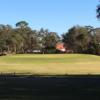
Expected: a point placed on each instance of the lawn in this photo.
(57, 64)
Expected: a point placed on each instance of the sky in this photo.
(55, 15)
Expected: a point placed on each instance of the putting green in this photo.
(51, 64)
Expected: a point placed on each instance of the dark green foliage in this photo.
(98, 11)
(23, 39)
(83, 39)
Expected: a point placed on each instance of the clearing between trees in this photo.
(50, 64)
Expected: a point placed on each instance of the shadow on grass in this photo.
(68, 87)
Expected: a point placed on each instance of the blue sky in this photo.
(55, 15)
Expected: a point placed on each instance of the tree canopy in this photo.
(23, 39)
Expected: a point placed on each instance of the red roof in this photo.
(60, 46)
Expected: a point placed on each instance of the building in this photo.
(60, 46)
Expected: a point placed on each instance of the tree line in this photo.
(23, 39)
(83, 39)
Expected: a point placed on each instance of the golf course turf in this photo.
(50, 64)
(72, 82)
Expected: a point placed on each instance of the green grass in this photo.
(57, 64)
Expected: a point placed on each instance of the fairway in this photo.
(57, 64)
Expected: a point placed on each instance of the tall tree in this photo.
(77, 38)
(98, 11)
(48, 40)
(22, 24)
(5, 33)
(24, 31)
